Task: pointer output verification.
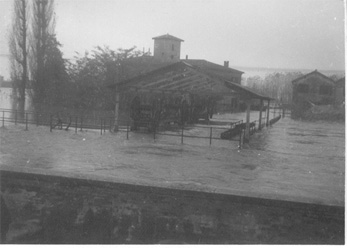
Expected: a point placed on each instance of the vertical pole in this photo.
(81, 122)
(247, 134)
(154, 129)
(50, 123)
(110, 124)
(268, 113)
(240, 141)
(116, 111)
(260, 113)
(15, 118)
(101, 127)
(75, 124)
(37, 119)
(182, 134)
(3, 118)
(26, 121)
(210, 135)
(127, 130)
(105, 125)
(283, 112)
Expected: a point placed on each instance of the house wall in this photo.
(314, 84)
(54, 209)
(167, 50)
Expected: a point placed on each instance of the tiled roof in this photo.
(167, 37)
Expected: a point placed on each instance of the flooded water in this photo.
(291, 160)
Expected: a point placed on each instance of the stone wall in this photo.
(56, 210)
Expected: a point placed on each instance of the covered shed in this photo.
(188, 83)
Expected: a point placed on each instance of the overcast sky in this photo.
(300, 34)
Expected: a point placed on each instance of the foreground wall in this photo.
(55, 209)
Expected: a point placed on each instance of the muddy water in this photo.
(292, 160)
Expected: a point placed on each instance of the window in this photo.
(325, 90)
(303, 88)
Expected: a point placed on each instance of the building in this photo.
(340, 91)
(163, 89)
(315, 89)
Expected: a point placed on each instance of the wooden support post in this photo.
(268, 113)
(15, 118)
(81, 122)
(283, 112)
(210, 135)
(260, 113)
(247, 131)
(3, 118)
(37, 118)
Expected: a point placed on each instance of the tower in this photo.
(167, 48)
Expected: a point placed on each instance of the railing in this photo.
(80, 123)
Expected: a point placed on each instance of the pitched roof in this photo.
(204, 64)
(167, 37)
(312, 73)
(182, 77)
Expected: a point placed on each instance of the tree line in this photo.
(37, 63)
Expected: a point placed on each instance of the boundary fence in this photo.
(79, 123)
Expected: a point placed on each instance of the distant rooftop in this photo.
(167, 37)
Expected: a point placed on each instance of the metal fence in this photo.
(60, 121)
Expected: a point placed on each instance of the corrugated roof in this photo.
(184, 78)
(167, 37)
(245, 91)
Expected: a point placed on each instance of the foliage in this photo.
(90, 74)
(18, 44)
(277, 85)
(42, 31)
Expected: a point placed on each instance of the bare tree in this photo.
(42, 28)
(18, 44)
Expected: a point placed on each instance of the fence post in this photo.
(110, 124)
(75, 124)
(81, 123)
(37, 119)
(15, 117)
(105, 125)
(50, 123)
(154, 132)
(127, 130)
(210, 135)
(26, 121)
(3, 118)
(101, 128)
(182, 134)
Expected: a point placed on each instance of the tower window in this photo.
(173, 47)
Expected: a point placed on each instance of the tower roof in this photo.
(167, 37)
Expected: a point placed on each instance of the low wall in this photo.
(53, 209)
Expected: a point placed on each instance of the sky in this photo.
(298, 34)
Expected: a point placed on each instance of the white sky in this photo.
(305, 34)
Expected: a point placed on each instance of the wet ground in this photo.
(292, 160)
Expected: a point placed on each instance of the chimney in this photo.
(186, 56)
(226, 64)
